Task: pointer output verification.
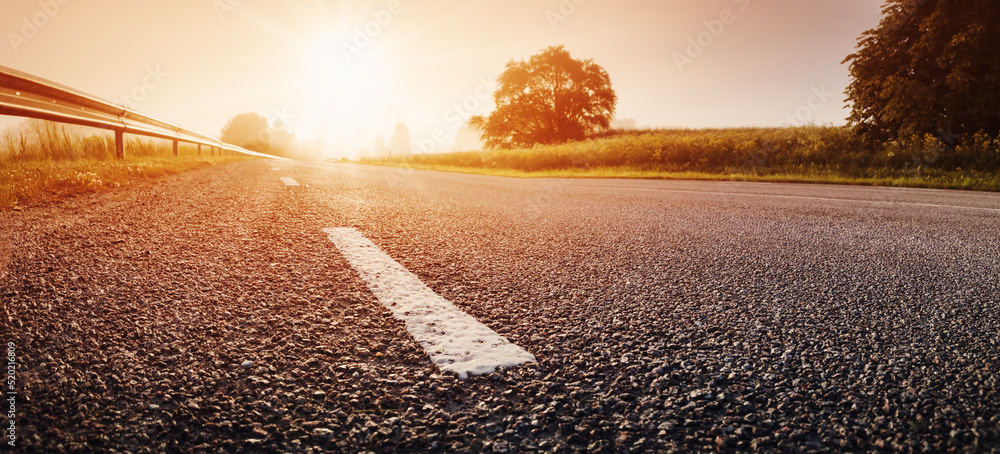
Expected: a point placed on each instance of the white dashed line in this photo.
(289, 181)
(454, 340)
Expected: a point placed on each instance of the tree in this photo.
(550, 98)
(400, 143)
(247, 130)
(253, 132)
(930, 67)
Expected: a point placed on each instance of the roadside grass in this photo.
(44, 162)
(27, 182)
(811, 154)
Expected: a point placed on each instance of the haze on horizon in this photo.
(340, 73)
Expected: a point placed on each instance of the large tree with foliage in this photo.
(550, 98)
(930, 67)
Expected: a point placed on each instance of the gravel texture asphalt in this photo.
(211, 313)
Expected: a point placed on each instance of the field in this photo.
(815, 154)
(44, 161)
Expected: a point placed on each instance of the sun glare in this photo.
(346, 94)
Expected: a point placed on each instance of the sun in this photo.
(346, 93)
(334, 72)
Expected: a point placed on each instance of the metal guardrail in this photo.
(25, 95)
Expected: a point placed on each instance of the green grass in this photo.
(976, 181)
(48, 163)
(811, 154)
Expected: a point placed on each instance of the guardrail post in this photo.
(199, 149)
(119, 144)
(175, 148)
(213, 151)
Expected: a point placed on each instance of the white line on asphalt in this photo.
(800, 197)
(289, 181)
(454, 340)
(275, 168)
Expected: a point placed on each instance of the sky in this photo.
(338, 73)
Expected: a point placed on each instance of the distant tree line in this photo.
(254, 132)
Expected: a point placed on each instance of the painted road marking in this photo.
(800, 197)
(289, 181)
(454, 340)
(275, 168)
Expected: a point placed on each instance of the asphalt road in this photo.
(664, 315)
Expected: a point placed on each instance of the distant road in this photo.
(661, 314)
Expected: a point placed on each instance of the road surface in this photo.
(213, 312)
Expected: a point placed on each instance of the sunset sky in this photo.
(342, 72)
